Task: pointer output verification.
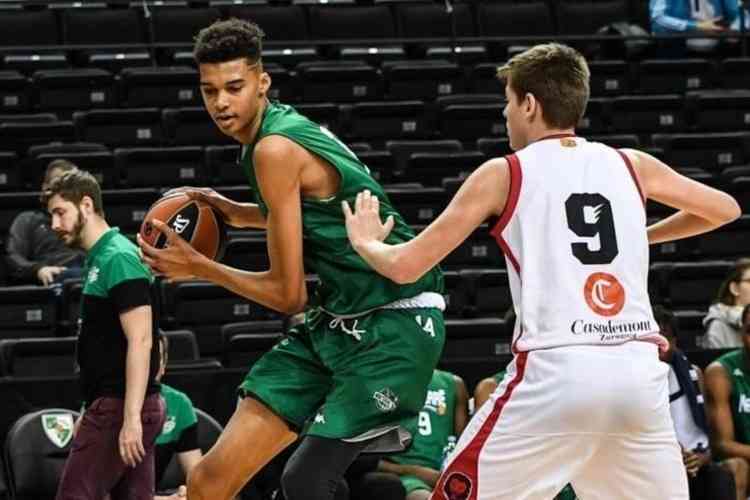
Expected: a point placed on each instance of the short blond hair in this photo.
(557, 76)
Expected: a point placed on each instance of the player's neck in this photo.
(95, 229)
(248, 134)
(547, 133)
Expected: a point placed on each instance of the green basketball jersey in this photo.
(735, 363)
(434, 427)
(180, 415)
(348, 285)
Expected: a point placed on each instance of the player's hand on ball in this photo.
(364, 225)
(176, 261)
(232, 212)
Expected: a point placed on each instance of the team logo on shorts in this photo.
(604, 294)
(458, 486)
(385, 400)
(58, 427)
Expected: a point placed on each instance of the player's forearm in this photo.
(136, 374)
(680, 225)
(260, 287)
(388, 260)
(250, 216)
(729, 448)
(426, 474)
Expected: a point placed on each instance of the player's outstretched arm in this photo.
(701, 208)
(482, 194)
(278, 164)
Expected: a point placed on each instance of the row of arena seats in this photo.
(478, 293)
(173, 22)
(339, 81)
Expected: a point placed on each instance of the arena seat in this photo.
(595, 121)
(14, 92)
(80, 88)
(694, 284)
(208, 433)
(491, 291)
(285, 86)
(280, 22)
(609, 77)
(12, 203)
(38, 357)
(479, 251)
(179, 24)
(159, 86)
(27, 311)
(192, 126)
(422, 79)
(349, 21)
(338, 81)
(493, 147)
(690, 324)
(229, 330)
(222, 163)
(468, 116)
(528, 18)
(380, 164)
(648, 113)
(248, 253)
(740, 188)
(713, 152)
(10, 174)
(721, 110)
(662, 76)
(424, 19)
(326, 114)
(35, 451)
(164, 167)
(618, 141)
(126, 208)
(183, 346)
(244, 349)
(429, 169)
(480, 337)
(18, 137)
(735, 73)
(455, 294)
(385, 120)
(418, 206)
(403, 149)
(585, 17)
(120, 127)
(100, 164)
(483, 79)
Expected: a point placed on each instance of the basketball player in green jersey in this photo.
(360, 363)
(434, 433)
(727, 383)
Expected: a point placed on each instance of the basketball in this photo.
(196, 222)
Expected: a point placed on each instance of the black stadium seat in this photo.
(27, 311)
(722, 110)
(222, 163)
(338, 81)
(661, 76)
(183, 347)
(585, 17)
(160, 86)
(422, 79)
(244, 349)
(81, 88)
(35, 451)
(120, 127)
(18, 137)
(736, 73)
(100, 164)
(14, 92)
(388, 120)
(38, 357)
(164, 167)
(714, 151)
(126, 208)
(609, 77)
(469, 116)
(429, 169)
(10, 171)
(192, 127)
(665, 113)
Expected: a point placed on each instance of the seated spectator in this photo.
(722, 323)
(434, 433)
(180, 432)
(707, 479)
(482, 393)
(701, 16)
(35, 255)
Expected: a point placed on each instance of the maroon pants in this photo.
(94, 466)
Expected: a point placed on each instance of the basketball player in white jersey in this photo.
(585, 399)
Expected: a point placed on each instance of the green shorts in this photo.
(413, 483)
(350, 378)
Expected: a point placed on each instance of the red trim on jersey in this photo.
(508, 253)
(514, 190)
(466, 463)
(629, 164)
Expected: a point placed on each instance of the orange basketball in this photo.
(196, 222)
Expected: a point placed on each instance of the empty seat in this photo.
(617, 141)
(585, 17)
(74, 88)
(429, 169)
(493, 147)
(479, 250)
(164, 167)
(29, 27)
(39, 357)
(722, 110)
(418, 206)
(389, 120)
(740, 188)
(279, 22)
(120, 127)
(246, 348)
(430, 20)
(162, 86)
(594, 120)
(27, 311)
(10, 171)
(13, 203)
(690, 328)
(456, 294)
(222, 162)
(249, 253)
(514, 19)
(660, 76)
(350, 22)
(609, 77)
(339, 81)
(713, 151)
(730, 241)
(735, 73)
(426, 79)
(183, 346)
(229, 330)
(192, 126)
(380, 163)
(283, 83)
(324, 114)
(14, 92)
(694, 284)
(126, 208)
(480, 337)
(469, 116)
(484, 79)
(492, 291)
(18, 137)
(402, 150)
(172, 24)
(648, 113)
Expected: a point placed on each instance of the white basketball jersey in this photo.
(574, 236)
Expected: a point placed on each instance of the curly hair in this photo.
(228, 40)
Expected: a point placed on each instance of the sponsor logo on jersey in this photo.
(435, 401)
(93, 275)
(385, 400)
(169, 424)
(58, 427)
(738, 373)
(612, 331)
(319, 418)
(457, 486)
(604, 294)
(180, 224)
